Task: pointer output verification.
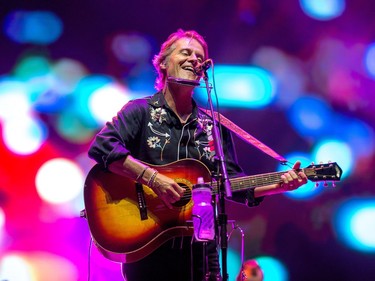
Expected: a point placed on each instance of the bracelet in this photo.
(140, 176)
(152, 179)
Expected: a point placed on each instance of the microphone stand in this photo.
(223, 183)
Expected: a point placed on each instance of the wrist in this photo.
(140, 176)
(147, 176)
(151, 180)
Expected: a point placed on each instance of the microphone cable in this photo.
(89, 260)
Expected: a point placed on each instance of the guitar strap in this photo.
(245, 135)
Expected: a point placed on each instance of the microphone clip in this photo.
(202, 68)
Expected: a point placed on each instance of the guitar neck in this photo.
(315, 173)
(246, 182)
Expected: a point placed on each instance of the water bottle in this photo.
(203, 212)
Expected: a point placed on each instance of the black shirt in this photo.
(150, 131)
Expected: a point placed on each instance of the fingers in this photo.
(166, 198)
(297, 165)
(303, 177)
(290, 177)
(167, 190)
(293, 179)
(178, 189)
(289, 182)
(175, 192)
(169, 197)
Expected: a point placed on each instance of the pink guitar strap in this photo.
(245, 135)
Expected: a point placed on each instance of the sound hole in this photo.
(185, 197)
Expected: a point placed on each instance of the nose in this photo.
(193, 58)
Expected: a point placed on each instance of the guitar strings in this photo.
(240, 183)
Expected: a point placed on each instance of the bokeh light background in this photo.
(298, 75)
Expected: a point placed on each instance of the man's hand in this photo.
(292, 179)
(167, 189)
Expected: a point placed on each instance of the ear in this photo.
(163, 65)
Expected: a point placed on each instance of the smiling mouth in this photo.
(189, 68)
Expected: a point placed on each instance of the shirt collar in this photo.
(158, 100)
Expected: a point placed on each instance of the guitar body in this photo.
(113, 212)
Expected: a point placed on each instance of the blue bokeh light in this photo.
(242, 86)
(323, 9)
(36, 27)
(273, 269)
(334, 151)
(357, 134)
(354, 224)
(83, 92)
(233, 263)
(131, 48)
(309, 116)
(369, 59)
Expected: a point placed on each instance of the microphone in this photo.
(203, 67)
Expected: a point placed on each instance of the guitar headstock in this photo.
(323, 172)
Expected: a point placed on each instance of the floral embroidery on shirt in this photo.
(206, 124)
(207, 152)
(208, 147)
(153, 142)
(161, 137)
(158, 114)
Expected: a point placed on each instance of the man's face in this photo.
(187, 54)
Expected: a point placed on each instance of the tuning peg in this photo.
(325, 184)
(316, 184)
(333, 184)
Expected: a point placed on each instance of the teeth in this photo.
(188, 68)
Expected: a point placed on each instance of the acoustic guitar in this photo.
(128, 221)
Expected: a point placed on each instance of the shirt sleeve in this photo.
(113, 142)
(234, 170)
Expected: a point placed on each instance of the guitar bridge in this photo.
(141, 201)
